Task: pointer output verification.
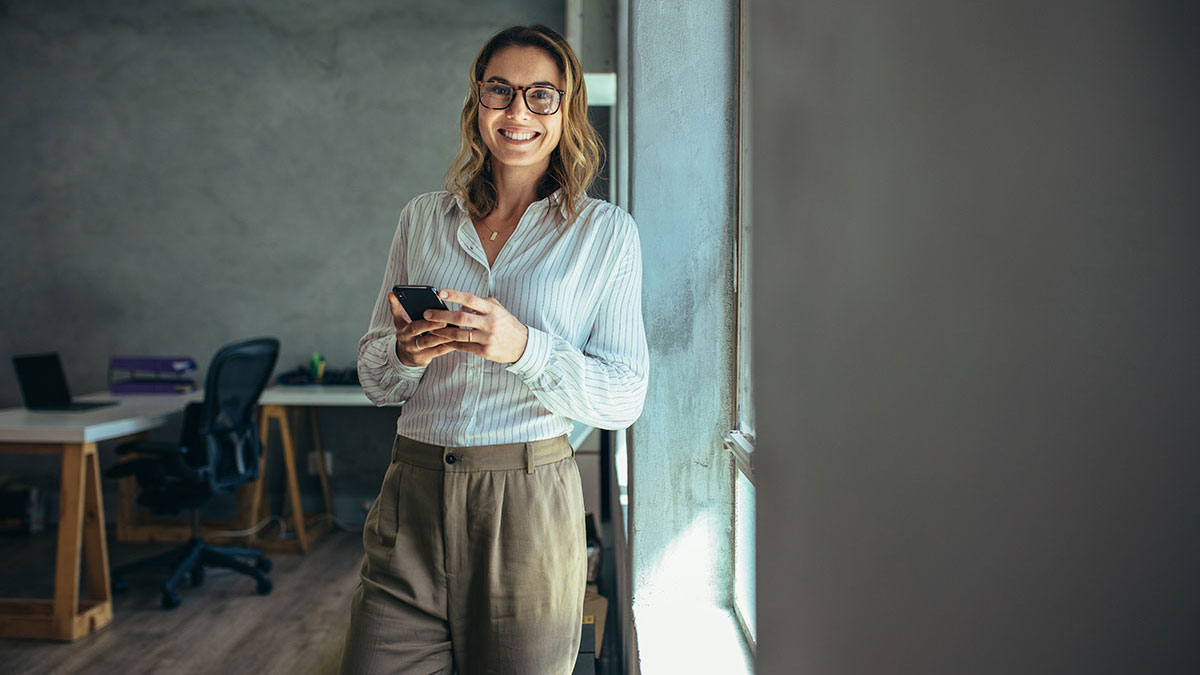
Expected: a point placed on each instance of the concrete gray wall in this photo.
(976, 336)
(682, 160)
(179, 175)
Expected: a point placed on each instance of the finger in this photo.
(469, 347)
(397, 308)
(439, 350)
(462, 319)
(466, 300)
(428, 341)
(418, 327)
(459, 334)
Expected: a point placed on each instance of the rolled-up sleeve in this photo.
(604, 383)
(384, 379)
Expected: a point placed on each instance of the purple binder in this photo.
(150, 374)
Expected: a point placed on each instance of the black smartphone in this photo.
(417, 299)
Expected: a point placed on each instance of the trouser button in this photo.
(450, 458)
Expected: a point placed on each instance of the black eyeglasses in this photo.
(539, 98)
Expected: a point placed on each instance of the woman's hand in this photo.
(485, 327)
(415, 345)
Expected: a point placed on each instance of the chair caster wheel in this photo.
(119, 585)
(265, 586)
(171, 600)
(197, 576)
(263, 564)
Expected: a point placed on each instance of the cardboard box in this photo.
(595, 610)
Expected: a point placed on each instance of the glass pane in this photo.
(743, 591)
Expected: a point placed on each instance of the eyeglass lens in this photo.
(539, 100)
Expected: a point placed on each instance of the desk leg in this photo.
(279, 414)
(95, 548)
(70, 540)
(256, 504)
(80, 541)
(289, 463)
(288, 420)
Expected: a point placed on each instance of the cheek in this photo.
(555, 133)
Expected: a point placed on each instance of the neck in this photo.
(516, 187)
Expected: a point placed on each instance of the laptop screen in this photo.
(42, 380)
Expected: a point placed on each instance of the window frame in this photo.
(740, 442)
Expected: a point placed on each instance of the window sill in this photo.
(690, 639)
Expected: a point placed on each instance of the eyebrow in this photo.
(497, 78)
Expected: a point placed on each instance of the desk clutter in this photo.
(150, 374)
(22, 507)
(315, 372)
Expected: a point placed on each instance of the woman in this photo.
(475, 555)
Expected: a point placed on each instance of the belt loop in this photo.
(395, 442)
(529, 458)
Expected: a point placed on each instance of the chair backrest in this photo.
(224, 437)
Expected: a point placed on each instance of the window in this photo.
(740, 441)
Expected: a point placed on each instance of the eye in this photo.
(497, 89)
(542, 94)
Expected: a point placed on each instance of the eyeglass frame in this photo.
(561, 95)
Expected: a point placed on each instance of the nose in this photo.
(517, 108)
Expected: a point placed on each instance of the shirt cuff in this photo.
(533, 360)
(406, 372)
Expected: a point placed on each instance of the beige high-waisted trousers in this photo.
(475, 563)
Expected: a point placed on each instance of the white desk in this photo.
(81, 511)
(134, 413)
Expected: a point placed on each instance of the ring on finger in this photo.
(417, 342)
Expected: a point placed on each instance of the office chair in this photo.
(218, 450)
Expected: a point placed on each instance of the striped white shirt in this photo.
(576, 286)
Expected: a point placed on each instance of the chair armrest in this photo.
(160, 448)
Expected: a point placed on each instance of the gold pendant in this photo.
(493, 236)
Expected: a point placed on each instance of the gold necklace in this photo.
(494, 232)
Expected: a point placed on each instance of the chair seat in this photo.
(171, 499)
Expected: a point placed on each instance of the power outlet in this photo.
(314, 469)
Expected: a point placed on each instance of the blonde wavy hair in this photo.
(573, 164)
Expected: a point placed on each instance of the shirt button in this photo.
(450, 458)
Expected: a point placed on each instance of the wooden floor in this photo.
(222, 627)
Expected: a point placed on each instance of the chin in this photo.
(519, 159)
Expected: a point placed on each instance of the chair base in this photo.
(190, 560)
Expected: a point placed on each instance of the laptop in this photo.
(44, 386)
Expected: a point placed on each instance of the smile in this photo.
(519, 136)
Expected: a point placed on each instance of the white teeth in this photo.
(518, 136)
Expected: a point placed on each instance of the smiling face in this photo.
(515, 136)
